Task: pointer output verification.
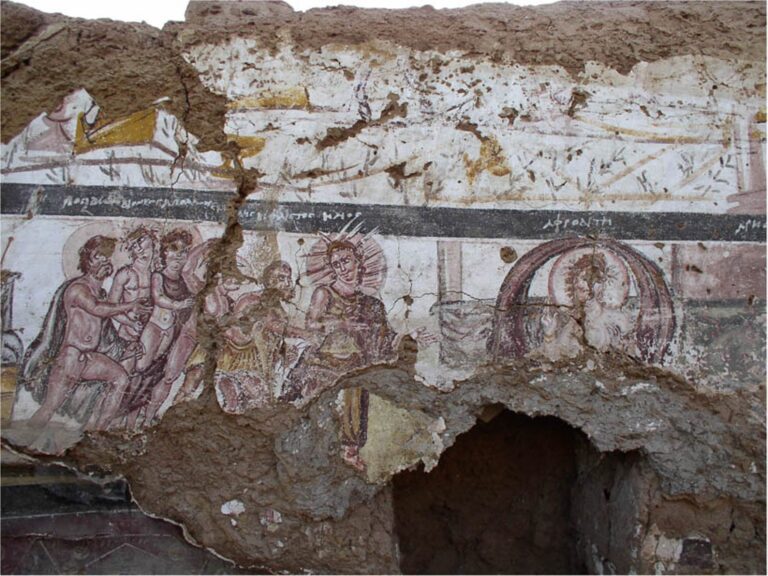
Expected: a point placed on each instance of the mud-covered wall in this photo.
(260, 262)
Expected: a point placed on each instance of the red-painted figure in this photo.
(173, 302)
(134, 282)
(351, 328)
(85, 308)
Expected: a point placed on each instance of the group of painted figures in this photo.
(133, 341)
(117, 358)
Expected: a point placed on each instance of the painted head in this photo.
(278, 277)
(586, 277)
(346, 262)
(174, 248)
(96, 255)
(141, 244)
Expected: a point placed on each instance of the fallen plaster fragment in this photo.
(232, 508)
(639, 387)
(271, 519)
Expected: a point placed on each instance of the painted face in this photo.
(345, 265)
(282, 281)
(581, 288)
(143, 249)
(100, 265)
(175, 258)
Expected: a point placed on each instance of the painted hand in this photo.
(424, 337)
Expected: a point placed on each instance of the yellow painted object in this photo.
(249, 145)
(7, 391)
(293, 98)
(137, 128)
(491, 159)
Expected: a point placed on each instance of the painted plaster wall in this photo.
(365, 243)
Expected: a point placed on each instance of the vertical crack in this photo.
(222, 260)
(184, 145)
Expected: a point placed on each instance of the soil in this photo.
(127, 66)
(618, 34)
(124, 66)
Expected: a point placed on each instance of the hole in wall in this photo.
(514, 495)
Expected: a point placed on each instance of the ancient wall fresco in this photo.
(482, 214)
(324, 289)
(75, 144)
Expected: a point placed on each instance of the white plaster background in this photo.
(658, 138)
(412, 270)
(670, 135)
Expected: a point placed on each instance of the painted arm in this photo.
(196, 266)
(81, 297)
(118, 286)
(279, 325)
(318, 308)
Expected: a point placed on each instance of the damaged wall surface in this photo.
(288, 272)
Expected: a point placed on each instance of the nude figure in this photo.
(77, 359)
(171, 298)
(173, 304)
(134, 282)
(195, 266)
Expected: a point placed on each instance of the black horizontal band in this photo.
(415, 221)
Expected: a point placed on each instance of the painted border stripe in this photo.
(414, 221)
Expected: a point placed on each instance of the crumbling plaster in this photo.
(538, 112)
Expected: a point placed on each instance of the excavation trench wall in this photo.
(261, 261)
